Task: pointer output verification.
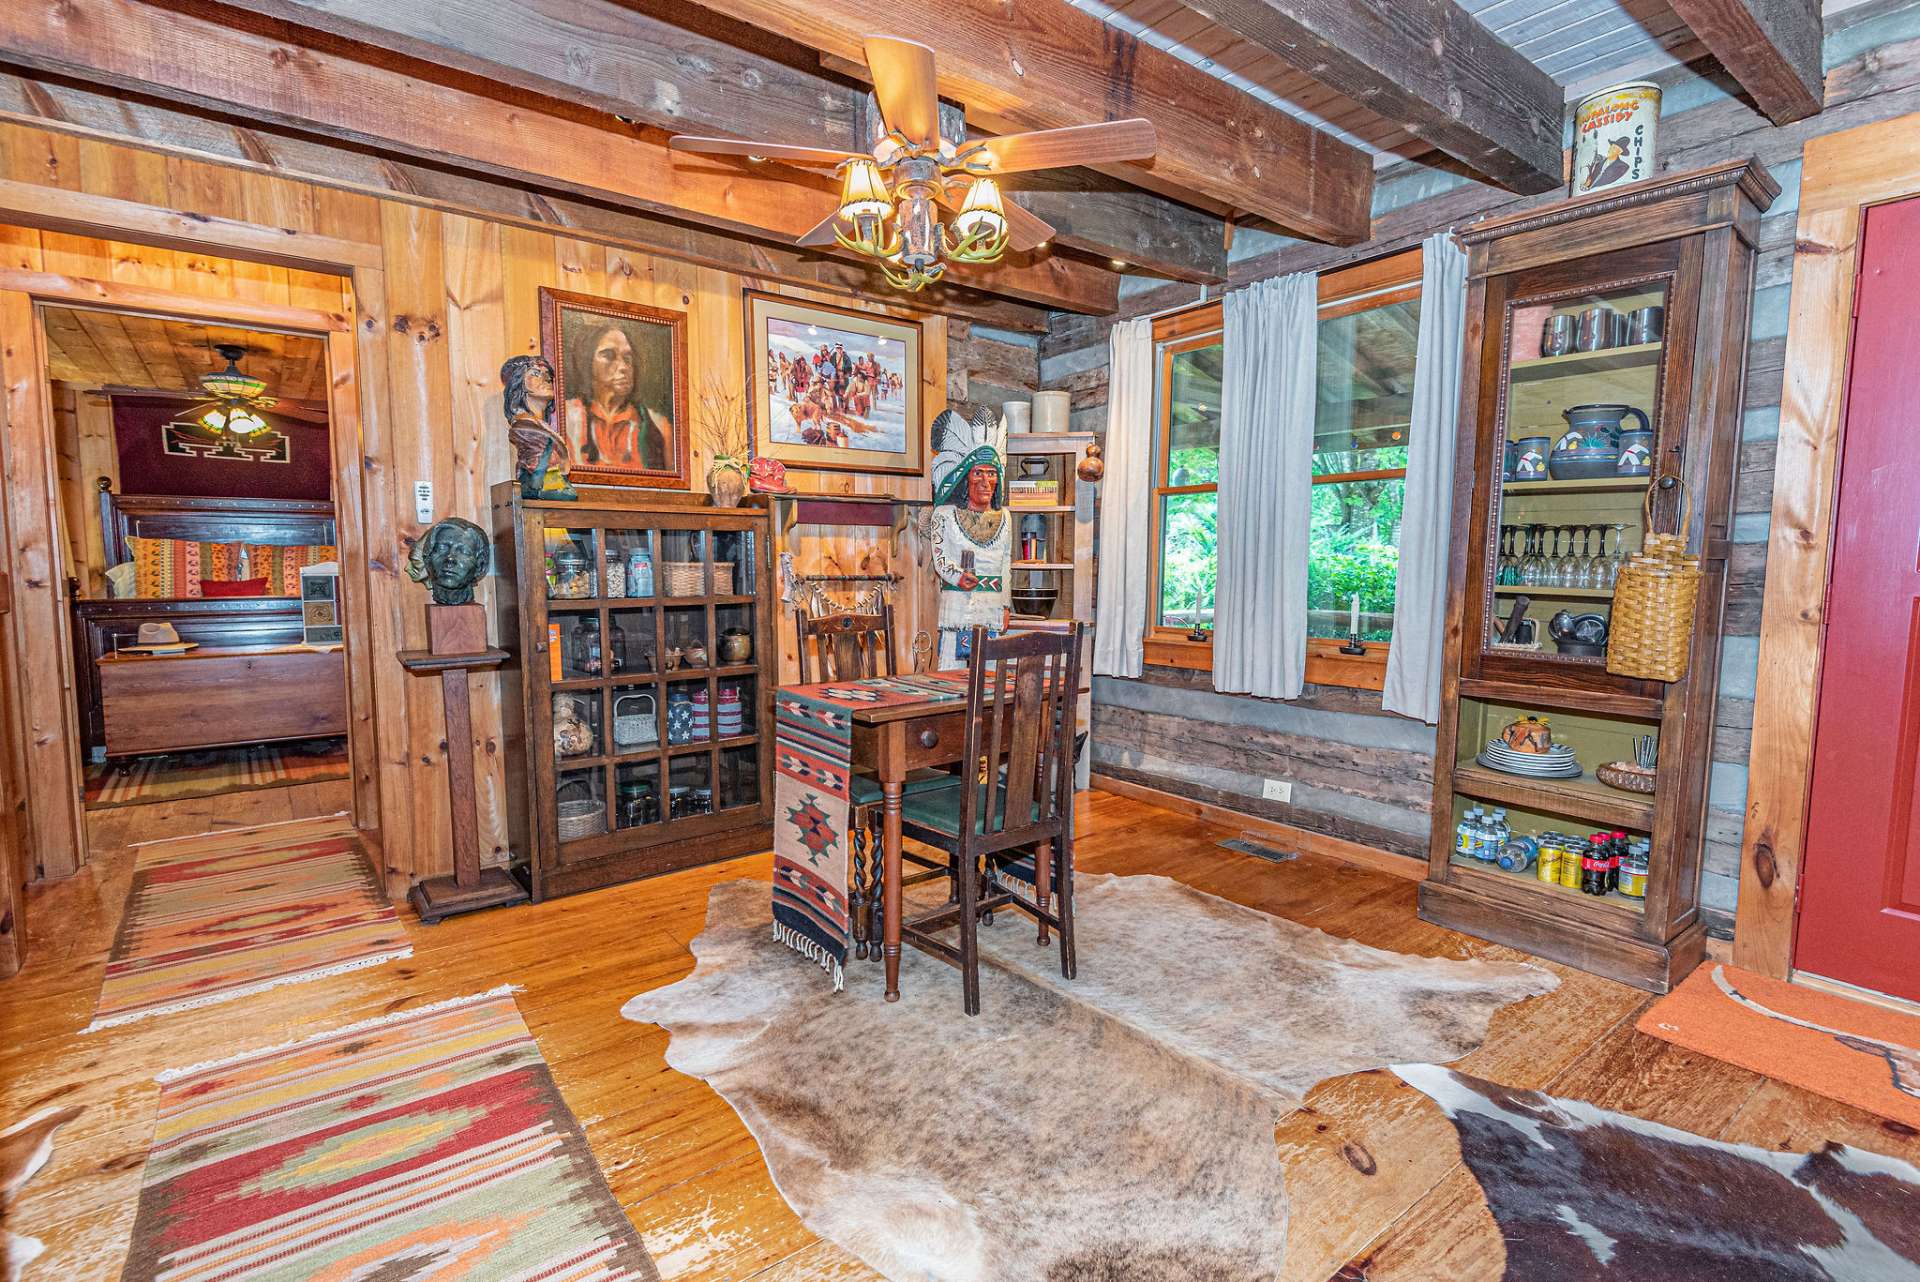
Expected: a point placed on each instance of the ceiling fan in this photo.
(888, 196)
(238, 398)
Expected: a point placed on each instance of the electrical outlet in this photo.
(1277, 790)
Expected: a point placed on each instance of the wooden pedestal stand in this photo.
(457, 636)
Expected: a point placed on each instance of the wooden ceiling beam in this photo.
(107, 116)
(655, 72)
(1426, 65)
(1770, 47)
(214, 67)
(1017, 65)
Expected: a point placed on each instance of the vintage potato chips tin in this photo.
(1614, 132)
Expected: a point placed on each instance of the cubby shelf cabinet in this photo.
(626, 673)
(1685, 241)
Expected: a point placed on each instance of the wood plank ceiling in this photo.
(1582, 44)
(1275, 110)
(123, 352)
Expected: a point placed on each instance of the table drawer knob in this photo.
(929, 738)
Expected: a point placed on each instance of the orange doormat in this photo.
(1855, 1052)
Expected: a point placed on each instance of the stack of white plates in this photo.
(1555, 763)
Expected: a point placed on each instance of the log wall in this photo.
(1354, 770)
(454, 296)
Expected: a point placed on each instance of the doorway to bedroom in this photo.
(194, 483)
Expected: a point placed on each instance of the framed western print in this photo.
(832, 388)
(622, 399)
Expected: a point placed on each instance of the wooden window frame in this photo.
(1377, 282)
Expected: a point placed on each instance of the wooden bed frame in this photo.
(101, 625)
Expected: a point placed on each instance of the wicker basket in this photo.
(688, 578)
(1651, 632)
(1626, 776)
(635, 729)
(585, 817)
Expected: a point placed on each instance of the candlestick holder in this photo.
(1354, 645)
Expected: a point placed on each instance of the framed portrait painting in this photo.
(832, 388)
(622, 399)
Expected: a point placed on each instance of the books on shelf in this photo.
(1043, 492)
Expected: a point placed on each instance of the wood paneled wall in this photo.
(1873, 60)
(452, 298)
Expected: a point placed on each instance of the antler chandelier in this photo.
(891, 198)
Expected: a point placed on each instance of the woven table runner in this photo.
(812, 816)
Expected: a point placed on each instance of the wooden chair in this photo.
(1020, 696)
(848, 647)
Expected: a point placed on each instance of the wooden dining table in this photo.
(889, 740)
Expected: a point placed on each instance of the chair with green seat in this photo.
(1021, 691)
(848, 647)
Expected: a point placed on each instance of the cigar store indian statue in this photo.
(967, 530)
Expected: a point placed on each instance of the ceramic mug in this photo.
(1646, 325)
(1530, 458)
(1636, 452)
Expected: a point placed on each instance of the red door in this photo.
(1860, 890)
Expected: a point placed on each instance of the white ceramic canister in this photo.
(1050, 411)
(1614, 136)
(1016, 417)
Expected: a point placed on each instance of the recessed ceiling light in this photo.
(1118, 262)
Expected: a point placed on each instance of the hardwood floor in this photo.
(1373, 1167)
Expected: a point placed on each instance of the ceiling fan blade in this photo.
(822, 232)
(1075, 145)
(903, 81)
(764, 150)
(1025, 230)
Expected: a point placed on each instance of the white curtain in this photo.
(1420, 596)
(1268, 379)
(1120, 612)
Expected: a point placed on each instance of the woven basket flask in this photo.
(1651, 634)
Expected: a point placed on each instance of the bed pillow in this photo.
(174, 568)
(234, 587)
(280, 564)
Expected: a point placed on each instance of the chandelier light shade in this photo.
(236, 397)
(983, 218)
(863, 192)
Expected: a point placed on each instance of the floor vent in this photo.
(1258, 851)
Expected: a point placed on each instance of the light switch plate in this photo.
(1277, 790)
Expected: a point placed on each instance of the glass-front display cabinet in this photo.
(639, 700)
(1601, 398)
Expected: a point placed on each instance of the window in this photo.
(1369, 327)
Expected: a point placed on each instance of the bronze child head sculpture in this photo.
(449, 559)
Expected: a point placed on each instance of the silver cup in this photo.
(1597, 329)
(1556, 336)
(1646, 325)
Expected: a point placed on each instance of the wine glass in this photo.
(1582, 575)
(1560, 575)
(1533, 565)
(1597, 567)
(1505, 563)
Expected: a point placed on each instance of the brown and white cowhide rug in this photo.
(1583, 1193)
(1123, 1134)
(1281, 1004)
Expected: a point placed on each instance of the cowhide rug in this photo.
(24, 1149)
(1583, 1193)
(1281, 1004)
(1123, 1134)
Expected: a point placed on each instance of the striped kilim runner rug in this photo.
(181, 776)
(213, 918)
(812, 807)
(431, 1144)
